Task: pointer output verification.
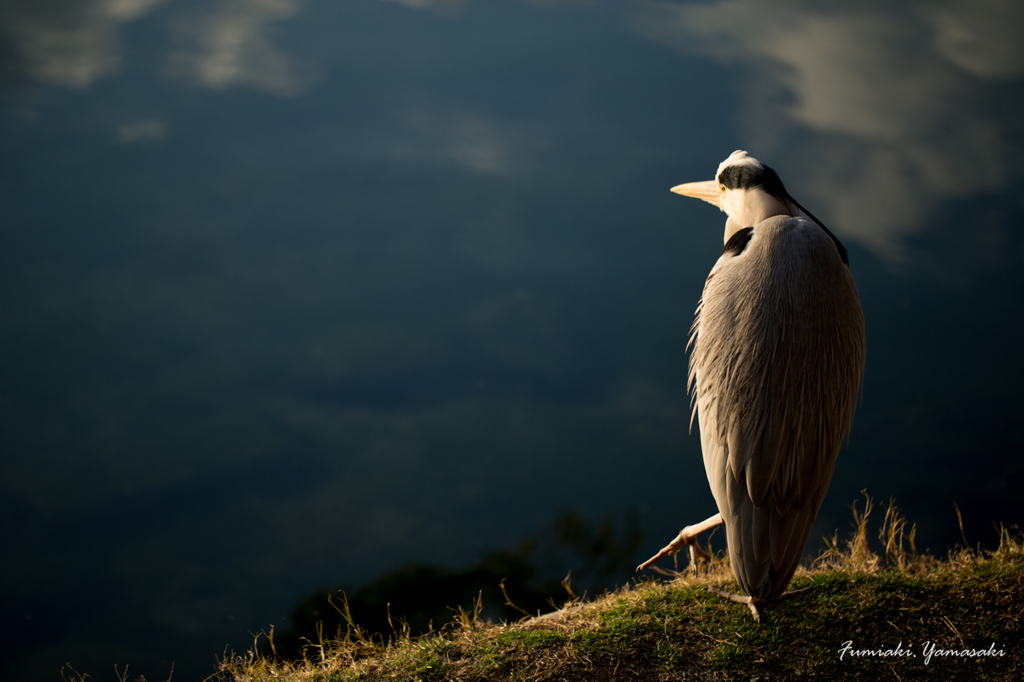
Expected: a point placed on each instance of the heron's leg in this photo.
(754, 604)
(686, 537)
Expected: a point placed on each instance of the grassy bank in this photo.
(914, 607)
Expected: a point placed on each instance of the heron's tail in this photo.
(765, 547)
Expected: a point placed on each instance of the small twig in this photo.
(720, 641)
(956, 632)
(270, 638)
(960, 519)
(567, 584)
(320, 639)
(508, 600)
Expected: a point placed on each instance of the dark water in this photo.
(293, 293)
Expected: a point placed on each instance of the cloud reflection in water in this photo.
(896, 101)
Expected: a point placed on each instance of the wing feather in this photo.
(775, 369)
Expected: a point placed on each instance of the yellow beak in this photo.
(707, 190)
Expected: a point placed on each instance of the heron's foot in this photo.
(687, 538)
(755, 604)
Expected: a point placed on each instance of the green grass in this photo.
(677, 630)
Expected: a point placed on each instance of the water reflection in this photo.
(900, 107)
(895, 106)
(230, 44)
(217, 44)
(295, 293)
(70, 44)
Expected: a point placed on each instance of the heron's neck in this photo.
(748, 207)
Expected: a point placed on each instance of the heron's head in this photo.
(745, 189)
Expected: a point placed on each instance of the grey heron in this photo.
(776, 363)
